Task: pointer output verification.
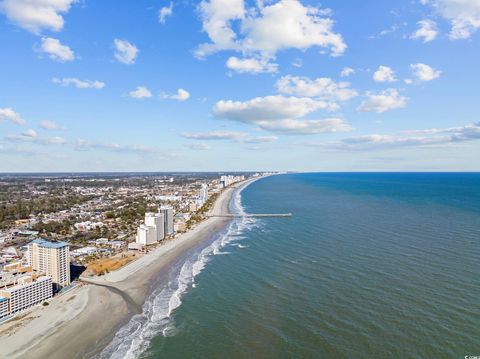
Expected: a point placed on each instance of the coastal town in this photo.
(56, 230)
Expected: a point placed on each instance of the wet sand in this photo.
(82, 322)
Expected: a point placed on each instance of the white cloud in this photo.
(216, 135)
(140, 92)
(30, 133)
(427, 31)
(383, 101)
(56, 50)
(125, 52)
(181, 95)
(323, 88)
(199, 146)
(81, 84)
(280, 114)
(235, 136)
(251, 65)
(347, 71)
(8, 114)
(165, 12)
(384, 74)
(36, 15)
(463, 15)
(261, 139)
(416, 138)
(48, 125)
(424, 72)
(266, 29)
(32, 137)
(297, 63)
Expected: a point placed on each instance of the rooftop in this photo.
(49, 244)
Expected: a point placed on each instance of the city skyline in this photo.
(239, 85)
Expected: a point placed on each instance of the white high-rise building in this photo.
(203, 195)
(146, 235)
(156, 220)
(167, 212)
(51, 259)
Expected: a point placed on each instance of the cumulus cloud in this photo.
(424, 72)
(322, 88)
(267, 28)
(384, 74)
(427, 31)
(81, 84)
(383, 101)
(49, 125)
(463, 15)
(37, 15)
(56, 50)
(125, 52)
(347, 71)
(280, 114)
(251, 65)
(140, 92)
(165, 12)
(8, 114)
(181, 95)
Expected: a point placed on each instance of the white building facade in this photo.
(156, 220)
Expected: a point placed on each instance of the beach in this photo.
(80, 323)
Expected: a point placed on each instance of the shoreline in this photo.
(80, 328)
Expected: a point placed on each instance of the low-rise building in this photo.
(28, 292)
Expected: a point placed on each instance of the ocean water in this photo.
(369, 266)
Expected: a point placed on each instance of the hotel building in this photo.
(26, 292)
(146, 235)
(156, 220)
(167, 212)
(51, 259)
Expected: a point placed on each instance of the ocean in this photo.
(371, 265)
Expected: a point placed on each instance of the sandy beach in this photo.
(80, 323)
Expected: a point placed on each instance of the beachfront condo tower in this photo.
(50, 259)
(167, 212)
(156, 220)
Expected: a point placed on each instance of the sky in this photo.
(237, 85)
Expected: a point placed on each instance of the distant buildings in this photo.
(226, 181)
(51, 259)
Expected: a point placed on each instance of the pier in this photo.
(252, 215)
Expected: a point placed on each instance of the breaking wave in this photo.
(134, 338)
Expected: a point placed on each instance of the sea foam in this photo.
(156, 319)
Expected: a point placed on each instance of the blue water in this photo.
(369, 266)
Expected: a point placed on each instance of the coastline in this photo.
(86, 324)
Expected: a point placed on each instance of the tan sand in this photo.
(82, 322)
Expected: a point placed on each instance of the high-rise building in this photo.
(203, 195)
(156, 220)
(167, 212)
(146, 235)
(50, 259)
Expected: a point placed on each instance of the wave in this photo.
(156, 319)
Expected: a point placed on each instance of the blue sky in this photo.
(239, 85)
